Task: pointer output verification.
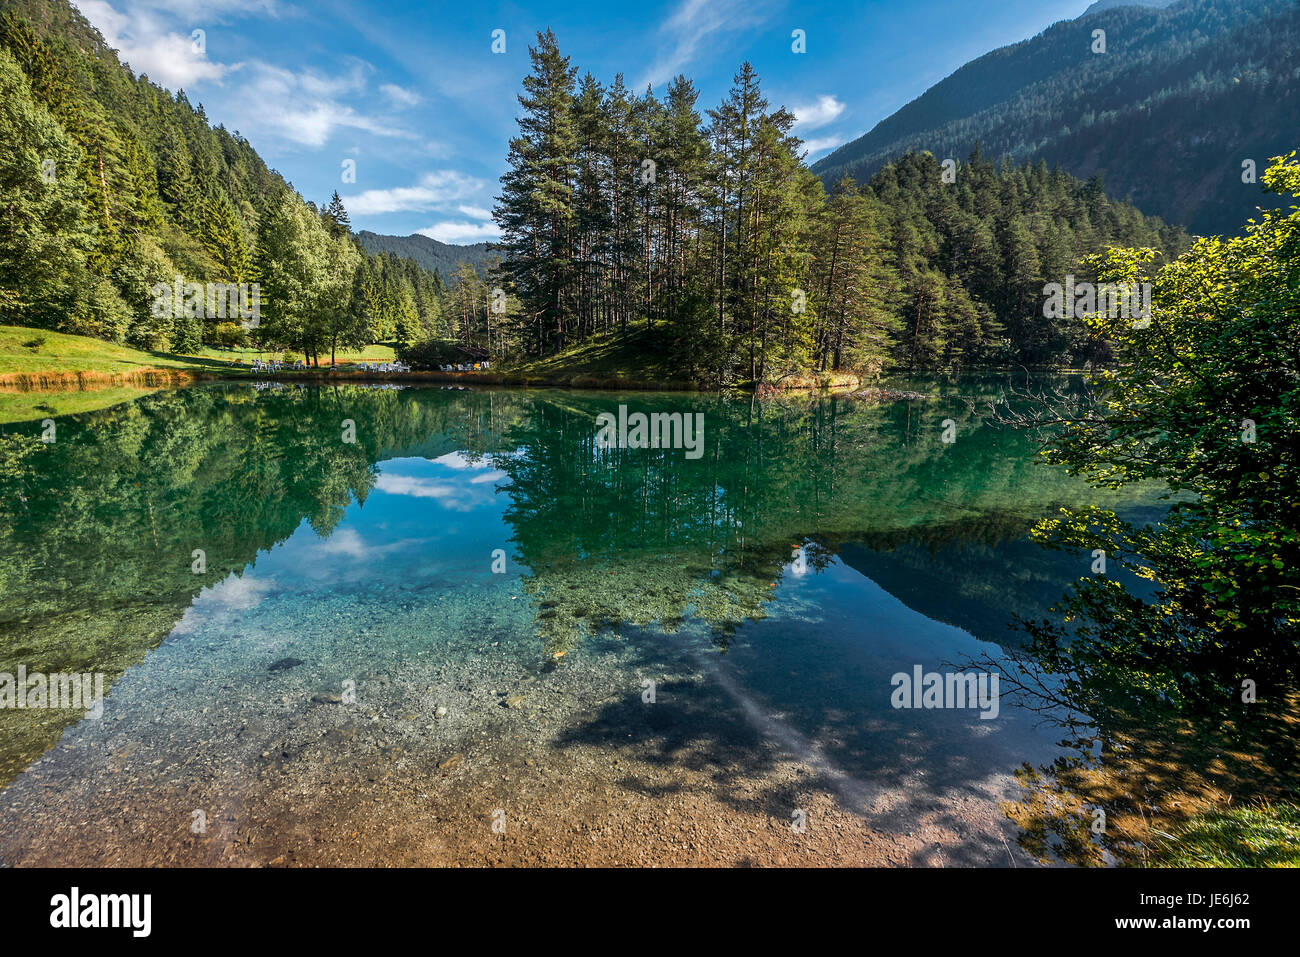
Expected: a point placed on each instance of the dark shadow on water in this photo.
(881, 767)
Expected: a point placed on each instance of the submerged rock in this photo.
(884, 395)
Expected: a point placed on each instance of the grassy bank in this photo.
(45, 373)
(1262, 835)
(36, 359)
(51, 373)
(633, 359)
(378, 352)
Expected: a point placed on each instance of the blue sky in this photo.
(412, 93)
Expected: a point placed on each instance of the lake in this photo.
(423, 625)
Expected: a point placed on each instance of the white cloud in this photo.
(476, 212)
(345, 541)
(399, 96)
(141, 39)
(306, 107)
(811, 116)
(433, 190)
(234, 593)
(210, 9)
(819, 144)
(238, 592)
(697, 24)
(313, 124)
(454, 232)
(447, 494)
(457, 460)
(348, 543)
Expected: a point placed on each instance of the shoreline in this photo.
(55, 380)
(87, 380)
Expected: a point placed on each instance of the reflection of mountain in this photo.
(98, 530)
(977, 572)
(974, 585)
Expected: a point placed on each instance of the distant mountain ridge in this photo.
(1101, 5)
(428, 252)
(1182, 97)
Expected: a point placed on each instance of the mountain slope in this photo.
(429, 253)
(1101, 5)
(1167, 115)
(136, 190)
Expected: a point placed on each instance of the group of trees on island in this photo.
(620, 207)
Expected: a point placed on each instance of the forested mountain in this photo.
(112, 188)
(429, 253)
(1179, 100)
(1112, 4)
(619, 206)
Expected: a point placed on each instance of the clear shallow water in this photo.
(349, 594)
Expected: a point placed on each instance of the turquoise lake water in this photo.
(474, 571)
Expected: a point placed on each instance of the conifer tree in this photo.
(535, 210)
